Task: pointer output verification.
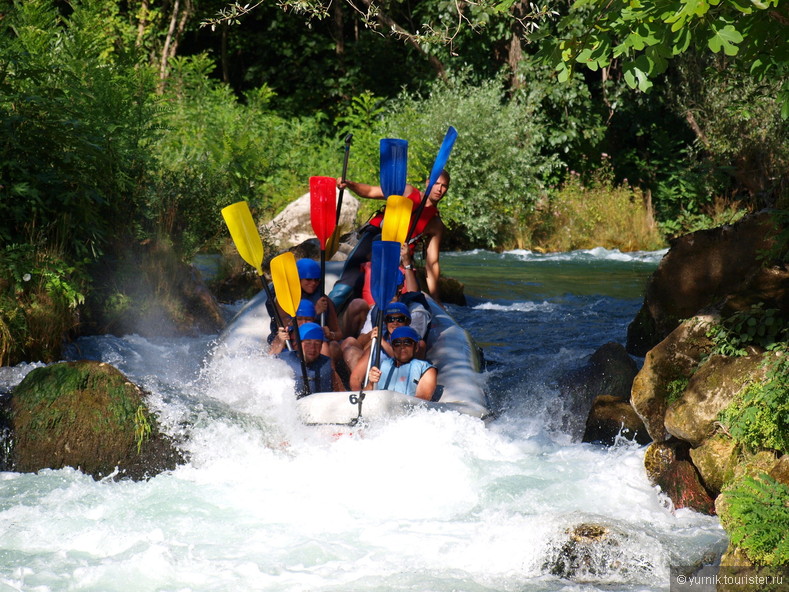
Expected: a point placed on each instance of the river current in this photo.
(430, 502)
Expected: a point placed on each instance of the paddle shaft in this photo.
(348, 139)
(379, 322)
(301, 359)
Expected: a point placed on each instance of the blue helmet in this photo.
(311, 331)
(397, 308)
(405, 333)
(308, 269)
(306, 309)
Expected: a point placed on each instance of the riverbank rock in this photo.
(715, 460)
(668, 467)
(86, 415)
(608, 371)
(293, 225)
(667, 370)
(611, 418)
(699, 270)
(146, 289)
(709, 391)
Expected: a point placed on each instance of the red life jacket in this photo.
(428, 213)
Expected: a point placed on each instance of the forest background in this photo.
(580, 124)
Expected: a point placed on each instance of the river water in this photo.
(429, 502)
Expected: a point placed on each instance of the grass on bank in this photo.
(598, 213)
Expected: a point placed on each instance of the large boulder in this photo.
(86, 415)
(667, 369)
(699, 270)
(710, 390)
(293, 225)
(146, 289)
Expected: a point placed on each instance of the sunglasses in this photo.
(403, 343)
(396, 319)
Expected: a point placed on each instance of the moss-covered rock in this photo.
(715, 461)
(666, 371)
(709, 391)
(86, 415)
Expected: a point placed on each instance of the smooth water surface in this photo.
(429, 502)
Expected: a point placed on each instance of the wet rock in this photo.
(608, 371)
(710, 390)
(594, 552)
(715, 460)
(699, 270)
(86, 415)
(668, 467)
(610, 418)
(667, 369)
(148, 290)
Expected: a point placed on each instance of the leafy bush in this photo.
(759, 416)
(758, 326)
(756, 518)
(77, 113)
(39, 295)
(218, 151)
(498, 171)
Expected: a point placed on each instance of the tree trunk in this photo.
(143, 22)
(178, 20)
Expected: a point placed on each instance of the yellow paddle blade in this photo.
(333, 243)
(287, 286)
(244, 234)
(397, 217)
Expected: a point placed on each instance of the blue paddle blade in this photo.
(385, 264)
(442, 157)
(394, 161)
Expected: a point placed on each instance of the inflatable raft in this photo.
(461, 385)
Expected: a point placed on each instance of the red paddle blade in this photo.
(323, 207)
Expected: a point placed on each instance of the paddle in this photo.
(394, 159)
(435, 173)
(397, 215)
(334, 240)
(323, 195)
(383, 284)
(248, 244)
(285, 275)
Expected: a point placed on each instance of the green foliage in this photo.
(142, 427)
(498, 171)
(759, 416)
(582, 215)
(675, 389)
(218, 151)
(765, 328)
(646, 36)
(39, 293)
(77, 113)
(756, 518)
